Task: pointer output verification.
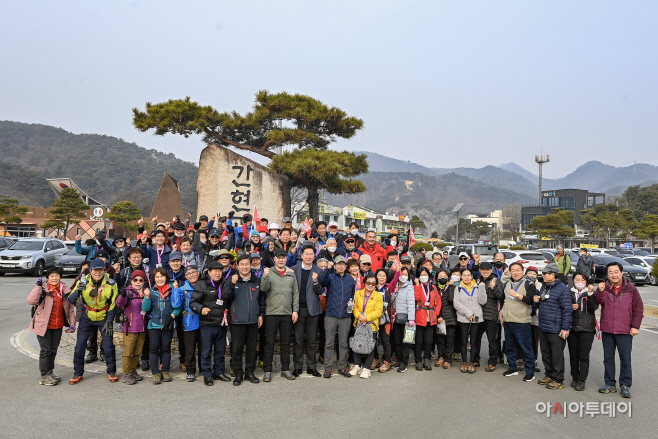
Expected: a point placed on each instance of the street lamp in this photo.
(455, 211)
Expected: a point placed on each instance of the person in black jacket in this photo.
(247, 311)
(495, 295)
(212, 306)
(447, 317)
(583, 329)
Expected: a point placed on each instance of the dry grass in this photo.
(651, 310)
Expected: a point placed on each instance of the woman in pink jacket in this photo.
(52, 313)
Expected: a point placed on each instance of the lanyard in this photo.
(159, 253)
(468, 293)
(427, 293)
(381, 289)
(259, 273)
(365, 301)
(219, 289)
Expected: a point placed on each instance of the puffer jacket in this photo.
(555, 311)
(159, 307)
(584, 319)
(205, 295)
(42, 314)
(247, 299)
(620, 311)
(373, 308)
(404, 300)
(282, 293)
(495, 298)
(434, 307)
(340, 289)
(182, 298)
(131, 303)
(448, 312)
(469, 305)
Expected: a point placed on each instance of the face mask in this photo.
(262, 235)
(354, 232)
(580, 285)
(455, 279)
(403, 279)
(331, 249)
(436, 265)
(424, 279)
(498, 264)
(394, 243)
(443, 281)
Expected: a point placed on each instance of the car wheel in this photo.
(652, 280)
(39, 268)
(2, 273)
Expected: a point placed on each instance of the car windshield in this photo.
(623, 262)
(650, 261)
(73, 252)
(532, 256)
(490, 250)
(27, 245)
(641, 253)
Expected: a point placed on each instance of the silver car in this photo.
(31, 255)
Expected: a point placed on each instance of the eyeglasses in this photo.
(138, 281)
(463, 259)
(372, 284)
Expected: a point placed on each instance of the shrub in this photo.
(417, 246)
(441, 245)
(516, 247)
(503, 247)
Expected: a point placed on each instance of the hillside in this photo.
(29, 187)
(107, 168)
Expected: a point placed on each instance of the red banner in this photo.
(412, 238)
(256, 218)
(306, 228)
(396, 263)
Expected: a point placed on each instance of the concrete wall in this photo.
(228, 181)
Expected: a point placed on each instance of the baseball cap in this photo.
(486, 266)
(97, 263)
(287, 220)
(366, 259)
(333, 224)
(338, 259)
(405, 259)
(349, 238)
(214, 232)
(280, 252)
(550, 268)
(530, 268)
(191, 267)
(464, 254)
(138, 273)
(102, 254)
(175, 256)
(255, 255)
(179, 226)
(203, 218)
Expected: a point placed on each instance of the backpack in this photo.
(41, 299)
(120, 316)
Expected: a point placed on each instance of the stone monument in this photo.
(230, 182)
(168, 204)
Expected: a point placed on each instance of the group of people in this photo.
(357, 293)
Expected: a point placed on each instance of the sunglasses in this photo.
(214, 236)
(119, 241)
(463, 259)
(366, 263)
(371, 283)
(223, 257)
(138, 281)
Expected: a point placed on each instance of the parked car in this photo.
(70, 262)
(31, 255)
(623, 250)
(486, 252)
(5, 243)
(648, 250)
(604, 252)
(636, 275)
(644, 262)
(638, 252)
(526, 258)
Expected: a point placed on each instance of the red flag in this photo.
(396, 263)
(306, 228)
(256, 218)
(412, 238)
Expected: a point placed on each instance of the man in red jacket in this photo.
(376, 252)
(617, 296)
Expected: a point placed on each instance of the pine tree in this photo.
(123, 212)
(10, 212)
(66, 210)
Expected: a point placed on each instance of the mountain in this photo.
(107, 168)
(29, 187)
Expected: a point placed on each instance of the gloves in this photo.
(412, 323)
(387, 242)
(39, 282)
(81, 287)
(70, 329)
(108, 329)
(169, 323)
(230, 228)
(240, 235)
(122, 293)
(197, 226)
(230, 214)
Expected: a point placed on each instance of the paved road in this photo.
(414, 404)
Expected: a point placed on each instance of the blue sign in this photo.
(628, 245)
(480, 242)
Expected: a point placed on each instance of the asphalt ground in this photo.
(435, 403)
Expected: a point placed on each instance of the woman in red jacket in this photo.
(52, 313)
(428, 307)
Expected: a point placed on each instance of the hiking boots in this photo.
(166, 377)
(385, 367)
(580, 386)
(427, 364)
(490, 368)
(157, 378)
(625, 391)
(345, 373)
(112, 377)
(545, 381)
(128, 379)
(54, 377)
(608, 389)
(46, 380)
(554, 385)
(136, 376)
(91, 357)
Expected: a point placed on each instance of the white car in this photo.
(644, 262)
(526, 258)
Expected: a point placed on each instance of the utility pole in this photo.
(541, 159)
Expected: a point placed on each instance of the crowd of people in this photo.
(366, 302)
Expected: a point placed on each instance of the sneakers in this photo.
(267, 377)
(554, 385)
(260, 364)
(528, 378)
(166, 377)
(464, 368)
(54, 377)
(545, 381)
(625, 391)
(356, 370)
(113, 377)
(326, 374)
(157, 378)
(76, 380)
(457, 357)
(46, 380)
(128, 379)
(580, 386)
(136, 376)
(91, 357)
(439, 362)
(608, 389)
(365, 373)
(490, 368)
(385, 367)
(402, 368)
(375, 364)
(190, 378)
(471, 368)
(510, 373)
(427, 364)
(345, 373)
(287, 375)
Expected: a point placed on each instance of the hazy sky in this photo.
(442, 83)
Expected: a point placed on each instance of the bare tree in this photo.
(512, 219)
(298, 197)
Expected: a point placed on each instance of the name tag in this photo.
(220, 302)
(158, 265)
(143, 312)
(546, 297)
(427, 304)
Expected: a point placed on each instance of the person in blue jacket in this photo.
(90, 251)
(338, 318)
(162, 313)
(158, 253)
(555, 318)
(190, 323)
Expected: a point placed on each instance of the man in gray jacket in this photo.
(310, 308)
(281, 312)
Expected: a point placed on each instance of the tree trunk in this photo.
(313, 200)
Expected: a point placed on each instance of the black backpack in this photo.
(41, 299)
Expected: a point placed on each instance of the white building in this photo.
(365, 217)
(495, 217)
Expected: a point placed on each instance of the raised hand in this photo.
(234, 279)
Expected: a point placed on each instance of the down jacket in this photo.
(340, 289)
(620, 311)
(448, 312)
(555, 310)
(584, 319)
(404, 300)
(495, 298)
(39, 323)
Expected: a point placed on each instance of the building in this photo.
(365, 217)
(494, 218)
(568, 199)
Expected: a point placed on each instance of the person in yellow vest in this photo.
(368, 307)
(97, 294)
(563, 262)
